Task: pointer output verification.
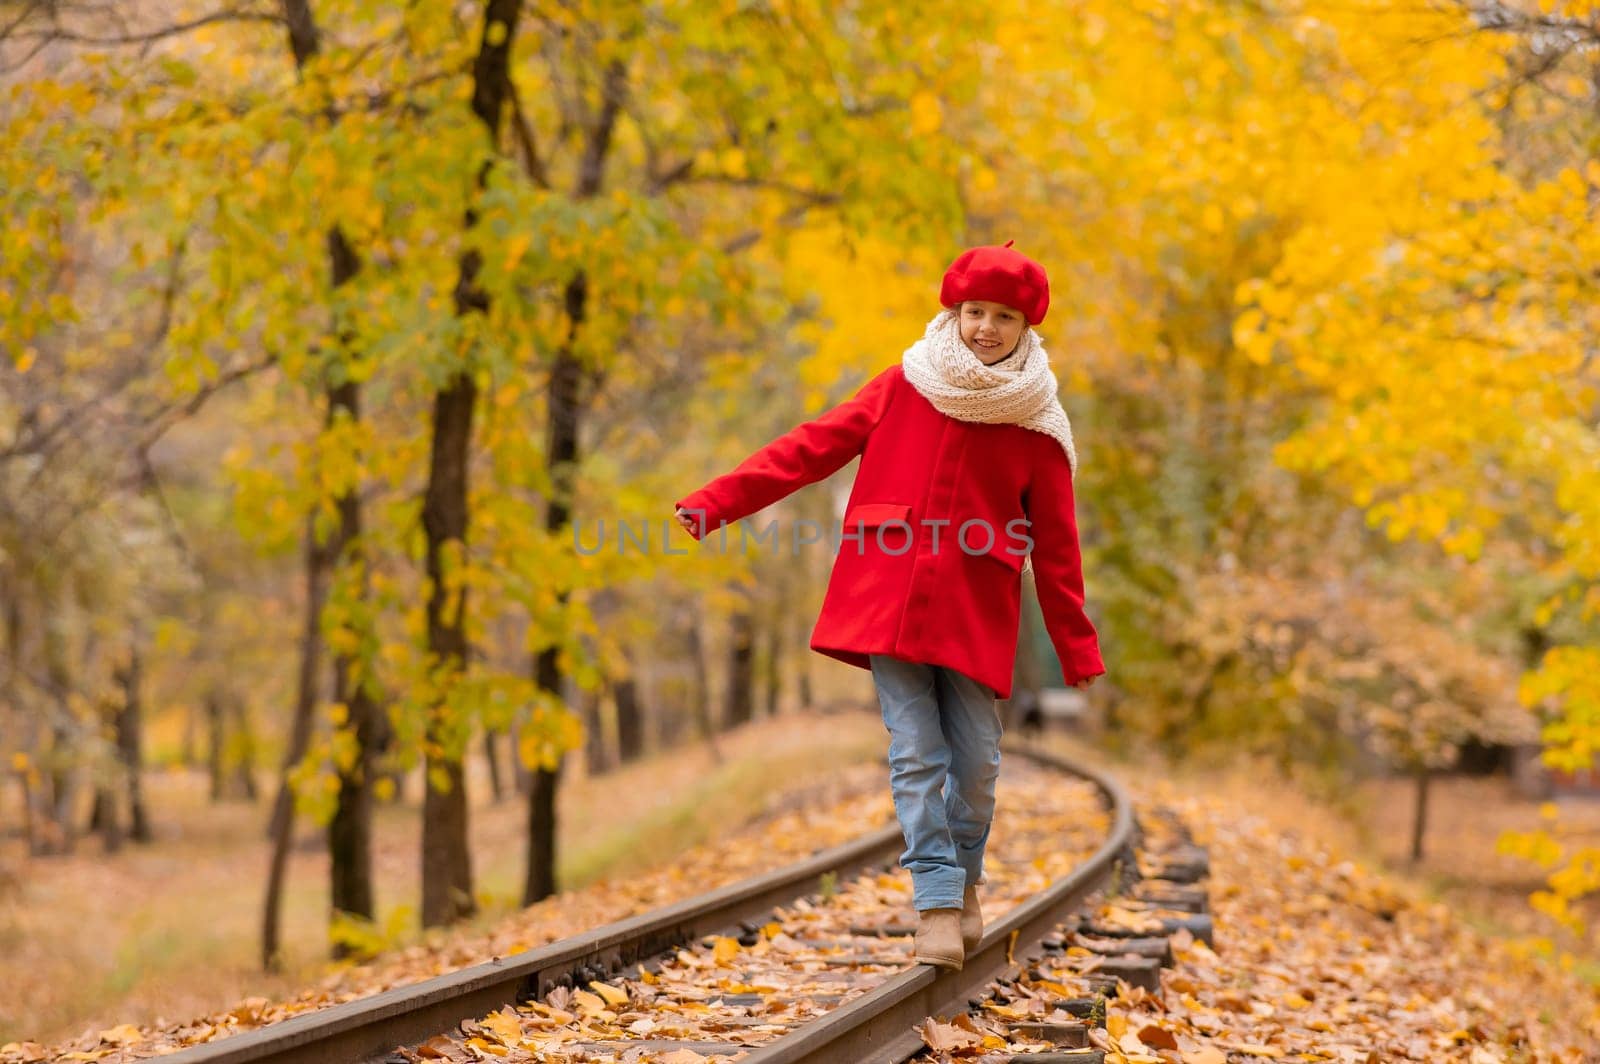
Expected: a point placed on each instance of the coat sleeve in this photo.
(1058, 565)
(803, 455)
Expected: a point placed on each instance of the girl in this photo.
(966, 469)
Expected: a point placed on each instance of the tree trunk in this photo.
(350, 829)
(104, 820)
(1419, 823)
(63, 771)
(215, 738)
(491, 755)
(447, 894)
(521, 774)
(541, 881)
(561, 460)
(565, 412)
(281, 826)
(738, 703)
(446, 859)
(772, 676)
(130, 742)
(244, 768)
(596, 748)
(630, 721)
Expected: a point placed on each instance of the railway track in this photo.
(804, 964)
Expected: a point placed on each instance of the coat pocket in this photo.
(877, 529)
(1002, 553)
(873, 514)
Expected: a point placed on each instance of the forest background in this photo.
(326, 323)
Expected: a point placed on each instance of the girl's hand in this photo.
(689, 521)
(1087, 683)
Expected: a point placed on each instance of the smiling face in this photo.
(990, 330)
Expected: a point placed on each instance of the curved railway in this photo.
(877, 1025)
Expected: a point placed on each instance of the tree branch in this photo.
(57, 33)
(523, 130)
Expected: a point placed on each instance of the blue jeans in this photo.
(944, 759)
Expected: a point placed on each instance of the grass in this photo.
(170, 931)
(721, 800)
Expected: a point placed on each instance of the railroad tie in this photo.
(1113, 947)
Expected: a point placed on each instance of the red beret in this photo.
(998, 275)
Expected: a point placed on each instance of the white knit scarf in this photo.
(1020, 389)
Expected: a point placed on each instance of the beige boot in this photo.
(971, 920)
(939, 938)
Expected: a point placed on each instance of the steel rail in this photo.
(370, 1028)
(878, 1027)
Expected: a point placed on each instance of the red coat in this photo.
(901, 584)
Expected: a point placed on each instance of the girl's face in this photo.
(990, 330)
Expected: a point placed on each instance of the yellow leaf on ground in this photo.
(1008, 1012)
(725, 951)
(504, 1026)
(589, 1004)
(122, 1034)
(611, 994)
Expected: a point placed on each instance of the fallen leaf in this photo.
(611, 994)
(1007, 1012)
(122, 1034)
(589, 1004)
(440, 1048)
(1205, 1055)
(505, 1027)
(942, 1037)
(725, 950)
